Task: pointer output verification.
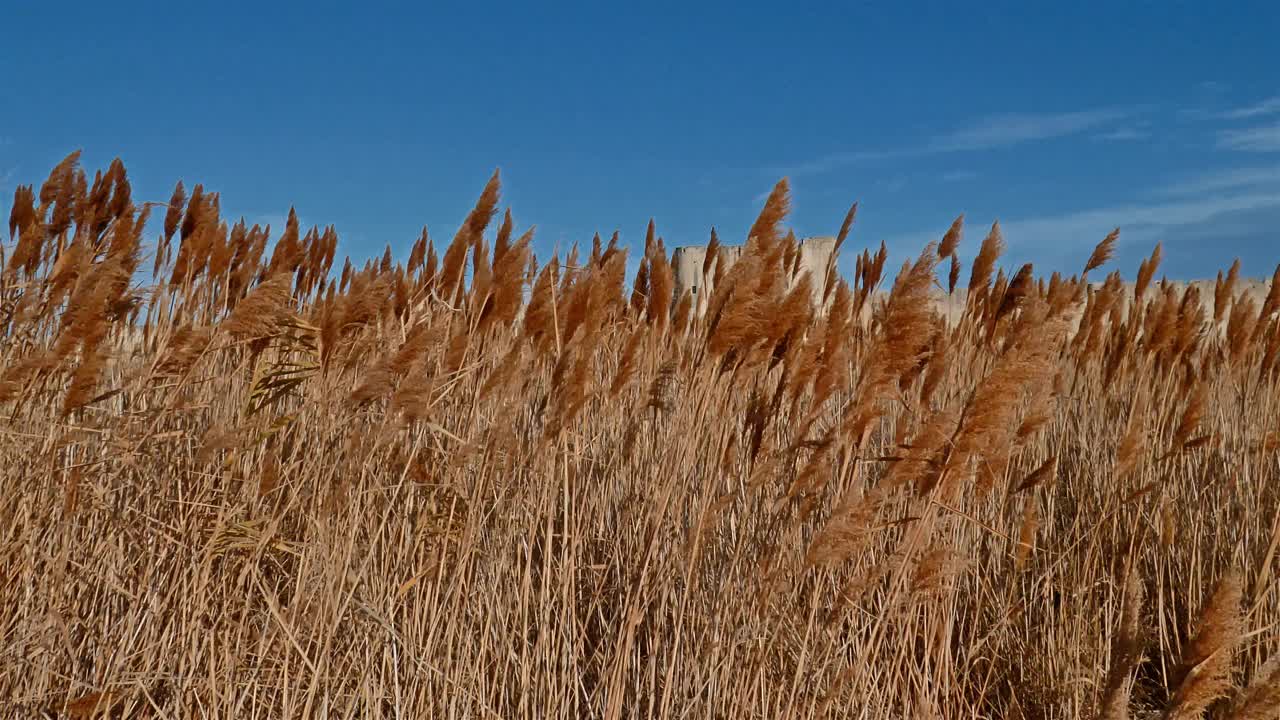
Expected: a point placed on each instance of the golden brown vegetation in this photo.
(242, 482)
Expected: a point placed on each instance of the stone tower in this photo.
(686, 264)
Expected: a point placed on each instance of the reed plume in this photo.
(765, 229)
(453, 264)
(262, 310)
(1146, 272)
(661, 287)
(752, 504)
(990, 250)
(951, 240)
(1126, 653)
(1102, 253)
(1261, 699)
(1203, 675)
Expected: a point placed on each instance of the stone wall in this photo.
(686, 263)
(814, 253)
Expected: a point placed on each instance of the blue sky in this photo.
(1062, 122)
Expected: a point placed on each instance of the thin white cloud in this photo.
(988, 133)
(1264, 138)
(1261, 109)
(893, 184)
(1270, 106)
(1195, 114)
(1124, 134)
(1085, 228)
(1218, 181)
(959, 175)
(844, 159)
(1067, 235)
(999, 131)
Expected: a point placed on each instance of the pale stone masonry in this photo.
(815, 252)
(686, 263)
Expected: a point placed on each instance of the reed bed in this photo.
(242, 480)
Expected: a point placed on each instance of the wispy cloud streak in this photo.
(1270, 106)
(1000, 131)
(990, 133)
(1067, 235)
(1233, 179)
(1265, 138)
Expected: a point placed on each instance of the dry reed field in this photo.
(242, 481)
